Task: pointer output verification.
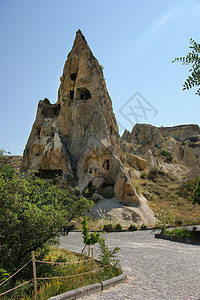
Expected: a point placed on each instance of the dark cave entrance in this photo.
(49, 174)
(106, 164)
(73, 76)
(83, 94)
(72, 95)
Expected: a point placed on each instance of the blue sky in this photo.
(135, 41)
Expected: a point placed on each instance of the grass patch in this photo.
(169, 198)
(184, 233)
(53, 287)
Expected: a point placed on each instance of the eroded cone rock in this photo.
(78, 136)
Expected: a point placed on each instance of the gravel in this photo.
(157, 269)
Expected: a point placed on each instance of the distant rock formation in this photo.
(78, 136)
(15, 161)
(183, 142)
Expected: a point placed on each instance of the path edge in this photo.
(91, 289)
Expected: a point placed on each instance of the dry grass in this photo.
(165, 200)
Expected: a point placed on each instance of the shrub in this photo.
(7, 171)
(143, 226)
(107, 227)
(193, 139)
(178, 222)
(184, 233)
(166, 154)
(132, 228)
(143, 175)
(153, 173)
(186, 188)
(195, 197)
(163, 229)
(118, 227)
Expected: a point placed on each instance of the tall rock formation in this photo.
(78, 136)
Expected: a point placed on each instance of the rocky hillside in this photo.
(172, 149)
(15, 161)
(159, 162)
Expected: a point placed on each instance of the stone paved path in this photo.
(157, 269)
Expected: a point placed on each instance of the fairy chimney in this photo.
(78, 136)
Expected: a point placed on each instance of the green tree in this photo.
(195, 197)
(193, 59)
(32, 212)
(89, 239)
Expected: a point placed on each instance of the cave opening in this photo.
(38, 132)
(83, 94)
(72, 95)
(49, 174)
(106, 164)
(73, 76)
(89, 190)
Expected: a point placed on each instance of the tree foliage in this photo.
(196, 193)
(193, 59)
(88, 238)
(33, 211)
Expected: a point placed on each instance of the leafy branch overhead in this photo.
(193, 59)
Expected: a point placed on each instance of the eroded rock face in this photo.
(182, 141)
(137, 161)
(78, 136)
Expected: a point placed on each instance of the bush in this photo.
(132, 228)
(186, 188)
(143, 226)
(143, 175)
(118, 227)
(153, 173)
(107, 227)
(163, 229)
(195, 197)
(193, 139)
(7, 171)
(184, 233)
(178, 222)
(166, 154)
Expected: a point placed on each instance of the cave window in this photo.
(73, 76)
(106, 164)
(71, 95)
(83, 94)
(39, 130)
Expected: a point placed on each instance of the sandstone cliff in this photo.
(182, 142)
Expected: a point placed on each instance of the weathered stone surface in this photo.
(98, 182)
(194, 173)
(152, 161)
(182, 141)
(78, 136)
(139, 162)
(96, 197)
(143, 133)
(107, 192)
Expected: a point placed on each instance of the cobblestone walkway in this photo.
(157, 269)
